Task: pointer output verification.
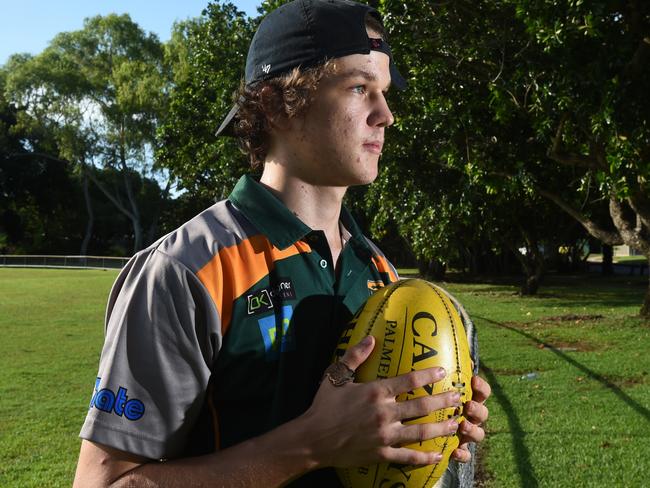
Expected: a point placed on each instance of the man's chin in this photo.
(365, 180)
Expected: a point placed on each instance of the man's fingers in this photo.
(357, 354)
(477, 413)
(418, 407)
(462, 454)
(411, 457)
(411, 381)
(410, 434)
(470, 432)
(480, 389)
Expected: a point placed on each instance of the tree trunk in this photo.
(153, 228)
(607, 268)
(91, 216)
(645, 308)
(530, 286)
(532, 264)
(432, 269)
(115, 201)
(534, 271)
(135, 211)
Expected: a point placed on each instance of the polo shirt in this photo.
(221, 330)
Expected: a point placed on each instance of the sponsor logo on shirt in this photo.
(269, 297)
(119, 403)
(277, 339)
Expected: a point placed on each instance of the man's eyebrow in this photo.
(357, 72)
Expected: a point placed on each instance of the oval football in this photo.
(416, 326)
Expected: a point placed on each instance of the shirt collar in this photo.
(267, 213)
(274, 219)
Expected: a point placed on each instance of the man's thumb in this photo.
(357, 354)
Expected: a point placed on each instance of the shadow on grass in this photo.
(590, 295)
(640, 409)
(520, 450)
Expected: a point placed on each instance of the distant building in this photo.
(625, 251)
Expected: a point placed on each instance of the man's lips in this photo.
(373, 146)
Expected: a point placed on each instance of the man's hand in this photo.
(361, 423)
(476, 413)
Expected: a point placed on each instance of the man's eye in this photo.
(360, 89)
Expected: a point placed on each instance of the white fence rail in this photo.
(48, 261)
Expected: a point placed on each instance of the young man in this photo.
(219, 334)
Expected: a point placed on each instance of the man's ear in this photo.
(273, 106)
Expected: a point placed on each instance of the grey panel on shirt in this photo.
(196, 242)
(163, 333)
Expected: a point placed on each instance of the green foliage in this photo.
(452, 179)
(98, 93)
(586, 63)
(207, 56)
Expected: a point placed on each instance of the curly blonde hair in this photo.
(290, 96)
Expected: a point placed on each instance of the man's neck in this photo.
(319, 207)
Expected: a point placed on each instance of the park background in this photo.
(519, 159)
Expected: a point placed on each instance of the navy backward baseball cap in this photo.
(305, 33)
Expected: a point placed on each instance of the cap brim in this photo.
(227, 126)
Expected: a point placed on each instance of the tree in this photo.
(101, 90)
(207, 56)
(579, 80)
(35, 192)
(452, 177)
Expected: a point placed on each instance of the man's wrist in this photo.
(289, 446)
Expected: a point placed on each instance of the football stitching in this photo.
(380, 308)
(456, 349)
(451, 321)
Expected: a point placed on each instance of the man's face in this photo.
(339, 140)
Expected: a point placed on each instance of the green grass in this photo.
(51, 325)
(584, 421)
(639, 260)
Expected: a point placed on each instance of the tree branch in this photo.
(38, 155)
(593, 160)
(630, 235)
(608, 237)
(640, 203)
(639, 61)
(104, 190)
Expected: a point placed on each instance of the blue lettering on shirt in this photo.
(107, 401)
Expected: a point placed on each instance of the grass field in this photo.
(51, 329)
(581, 419)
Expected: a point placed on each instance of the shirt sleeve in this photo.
(162, 337)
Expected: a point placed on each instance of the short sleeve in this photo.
(162, 337)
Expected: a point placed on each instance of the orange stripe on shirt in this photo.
(382, 266)
(235, 269)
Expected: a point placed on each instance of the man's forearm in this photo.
(268, 460)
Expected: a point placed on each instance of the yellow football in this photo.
(416, 326)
